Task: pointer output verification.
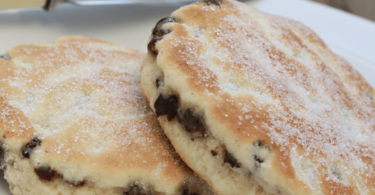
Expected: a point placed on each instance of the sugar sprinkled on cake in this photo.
(84, 100)
(284, 84)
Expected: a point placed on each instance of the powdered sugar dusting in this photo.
(286, 85)
(83, 98)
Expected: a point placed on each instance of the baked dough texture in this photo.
(258, 104)
(73, 120)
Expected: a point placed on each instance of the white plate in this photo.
(349, 36)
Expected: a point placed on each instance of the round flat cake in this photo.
(258, 104)
(73, 120)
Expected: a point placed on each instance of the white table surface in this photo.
(348, 35)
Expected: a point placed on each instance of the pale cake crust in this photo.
(265, 99)
(80, 100)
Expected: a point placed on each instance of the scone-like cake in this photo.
(73, 120)
(255, 103)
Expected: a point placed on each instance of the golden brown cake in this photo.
(256, 103)
(73, 120)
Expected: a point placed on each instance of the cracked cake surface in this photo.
(73, 120)
(257, 104)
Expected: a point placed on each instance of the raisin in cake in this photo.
(73, 120)
(256, 103)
